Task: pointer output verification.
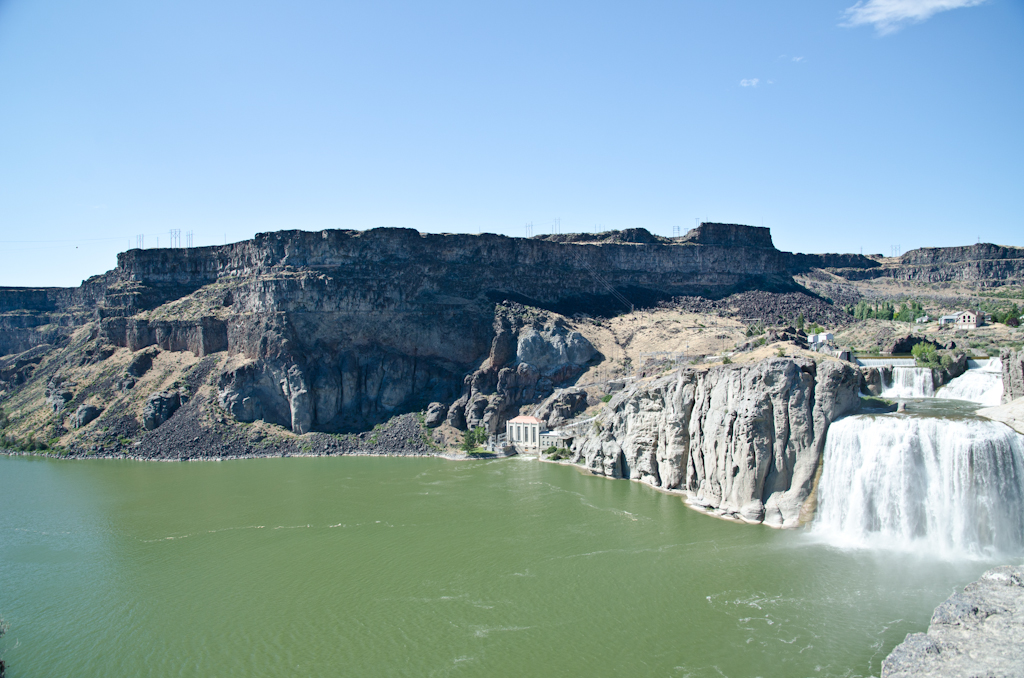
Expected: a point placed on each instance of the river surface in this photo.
(425, 567)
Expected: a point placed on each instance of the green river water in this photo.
(425, 567)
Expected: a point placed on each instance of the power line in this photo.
(590, 269)
(68, 240)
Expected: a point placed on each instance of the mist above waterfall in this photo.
(950, 487)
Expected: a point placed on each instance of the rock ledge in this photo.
(978, 632)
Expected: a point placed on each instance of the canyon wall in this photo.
(338, 329)
(742, 441)
(983, 264)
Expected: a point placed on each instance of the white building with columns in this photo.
(523, 432)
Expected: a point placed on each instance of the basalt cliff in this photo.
(740, 441)
(339, 332)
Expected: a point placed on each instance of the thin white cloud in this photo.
(888, 16)
(798, 58)
(749, 83)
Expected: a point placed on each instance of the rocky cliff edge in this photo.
(739, 441)
(978, 632)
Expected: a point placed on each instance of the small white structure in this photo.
(554, 439)
(969, 320)
(922, 319)
(948, 319)
(820, 338)
(524, 432)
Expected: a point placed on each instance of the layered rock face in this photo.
(529, 358)
(340, 329)
(976, 632)
(742, 441)
(1013, 374)
(984, 264)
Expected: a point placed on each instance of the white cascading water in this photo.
(951, 487)
(910, 382)
(982, 385)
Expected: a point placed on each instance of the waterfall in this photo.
(910, 382)
(982, 386)
(951, 487)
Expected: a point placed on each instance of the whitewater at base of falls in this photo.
(910, 382)
(949, 487)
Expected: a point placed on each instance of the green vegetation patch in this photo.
(876, 403)
(556, 453)
(473, 438)
(907, 312)
(927, 355)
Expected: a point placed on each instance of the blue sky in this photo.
(842, 126)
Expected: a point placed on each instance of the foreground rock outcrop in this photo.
(1011, 414)
(978, 632)
(742, 441)
(1013, 374)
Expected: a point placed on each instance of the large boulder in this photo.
(871, 381)
(141, 363)
(436, 413)
(976, 632)
(457, 413)
(552, 348)
(59, 398)
(561, 406)
(906, 344)
(84, 415)
(159, 408)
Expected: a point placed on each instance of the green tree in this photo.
(926, 355)
(800, 321)
(473, 438)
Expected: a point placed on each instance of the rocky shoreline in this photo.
(975, 633)
(189, 440)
